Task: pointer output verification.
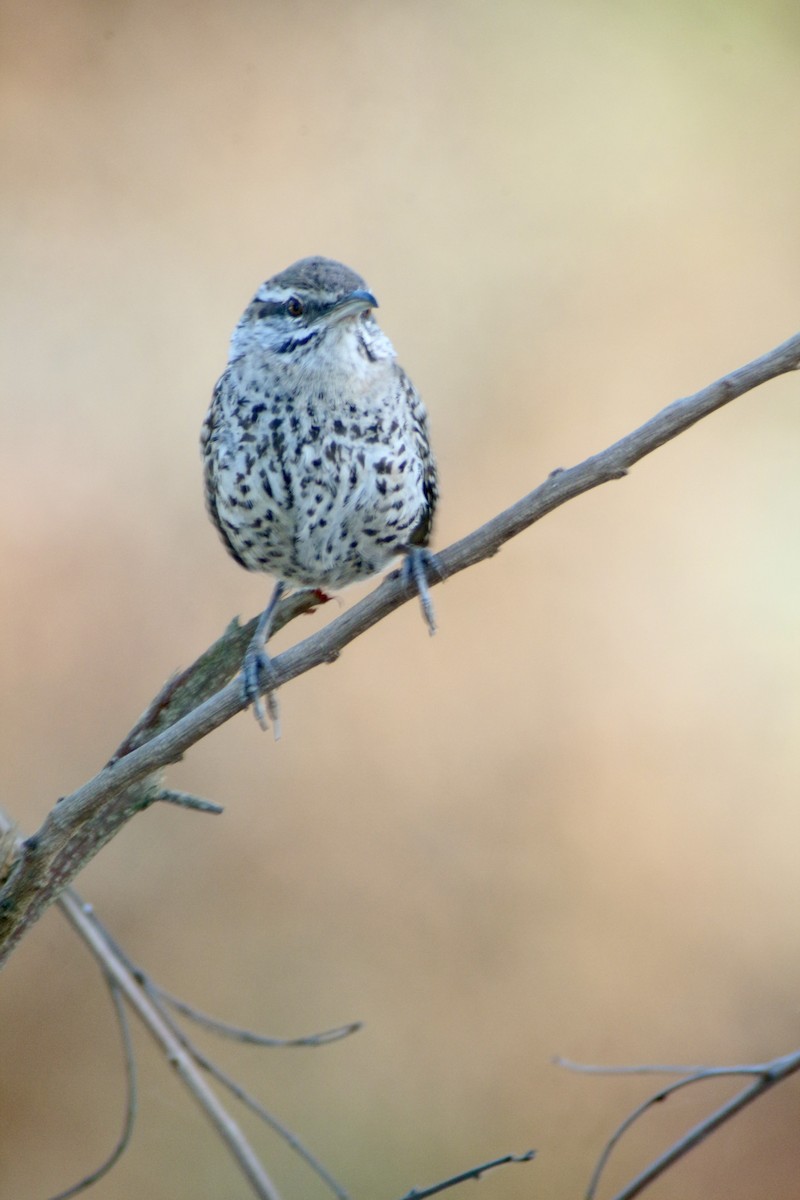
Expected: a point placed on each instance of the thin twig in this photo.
(83, 920)
(703, 1072)
(53, 856)
(187, 800)
(161, 1001)
(630, 1120)
(223, 1028)
(248, 1036)
(276, 1125)
(473, 1173)
(704, 1128)
(767, 1075)
(258, 1108)
(130, 1101)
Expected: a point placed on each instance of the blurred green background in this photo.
(569, 823)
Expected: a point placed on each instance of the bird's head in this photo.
(294, 311)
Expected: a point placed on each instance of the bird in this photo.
(317, 459)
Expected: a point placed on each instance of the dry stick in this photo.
(472, 1173)
(178, 1057)
(125, 1136)
(247, 1036)
(657, 1098)
(107, 951)
(46, 864)
(767, 1076)
(283, 1131)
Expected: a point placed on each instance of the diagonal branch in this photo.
(767, 1077)
(80, 824)
(465, 1176)
(763, 1077)
(178, 1056)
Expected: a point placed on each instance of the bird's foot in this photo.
(257, 668)
(420, 566)
(256, 671)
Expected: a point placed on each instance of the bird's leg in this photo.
(421, 565)
(257, 665)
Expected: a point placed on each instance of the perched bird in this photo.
(318, 465)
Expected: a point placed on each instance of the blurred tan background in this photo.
(569, 823)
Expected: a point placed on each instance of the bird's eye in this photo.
(294, 307)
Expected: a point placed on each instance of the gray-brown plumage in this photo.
(318, 466)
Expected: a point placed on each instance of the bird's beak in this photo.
(353, 302)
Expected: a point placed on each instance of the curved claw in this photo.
(257, 667)
(256, 671)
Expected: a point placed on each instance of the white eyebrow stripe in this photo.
(278, 295)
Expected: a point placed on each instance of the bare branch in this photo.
(130, 1102)
(767, 1075)
(211, 671)
(655, 1069)
(186, 800)
(473, 1173)
(115, 964)
(221, 1028)
(266, 1116)
(248, 1036)
(80, 824)
(81, 918)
